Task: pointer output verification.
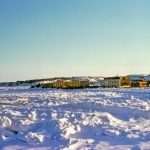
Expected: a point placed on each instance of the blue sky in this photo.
(47, 38)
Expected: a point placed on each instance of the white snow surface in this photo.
(81, 119)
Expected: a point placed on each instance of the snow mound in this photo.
(5, 122)
(22, 100)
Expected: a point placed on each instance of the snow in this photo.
(140, 77)
(97, 119)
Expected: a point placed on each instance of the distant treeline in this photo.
(31, 81)
(40, 80)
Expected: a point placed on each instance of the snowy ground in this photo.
(87, 119)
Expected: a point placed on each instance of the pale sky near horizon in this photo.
(48, 38)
